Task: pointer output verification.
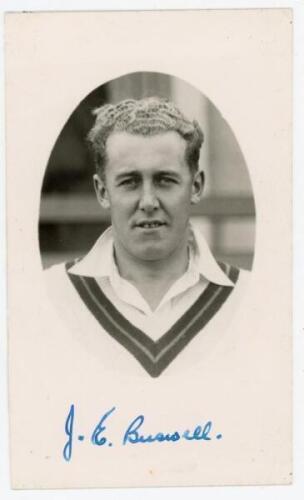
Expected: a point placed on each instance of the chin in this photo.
(152, 254)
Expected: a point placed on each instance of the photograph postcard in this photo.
(149, 243)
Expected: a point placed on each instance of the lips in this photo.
(150, 224)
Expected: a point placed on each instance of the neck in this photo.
(152, 278)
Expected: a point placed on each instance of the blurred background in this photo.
(70, 217)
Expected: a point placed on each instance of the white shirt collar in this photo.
(99, 262)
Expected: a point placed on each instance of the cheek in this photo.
(180, 202)
(119, 202)
(180, 209)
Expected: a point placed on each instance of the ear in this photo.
(198, 183)
(101, 191)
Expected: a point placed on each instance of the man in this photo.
(150, 282)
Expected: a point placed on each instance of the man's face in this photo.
(149, 189)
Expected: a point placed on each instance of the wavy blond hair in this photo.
(149, 116)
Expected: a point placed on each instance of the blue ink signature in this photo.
(133, 434)
(97, 437)
(69, 425)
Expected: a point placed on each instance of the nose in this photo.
(148, 199)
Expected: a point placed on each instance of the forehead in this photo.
(123, 148)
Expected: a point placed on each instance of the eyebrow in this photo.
(172, 173)
(137, 173)
(125, 175)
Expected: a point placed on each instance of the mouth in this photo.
(150, 224)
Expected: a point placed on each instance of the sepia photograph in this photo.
(125, 177)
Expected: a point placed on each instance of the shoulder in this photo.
(235, 274)
(57, 275)
(60, 288)
(56, 270)
(243, 281)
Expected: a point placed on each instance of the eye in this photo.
(129, 182)
(166, 180)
